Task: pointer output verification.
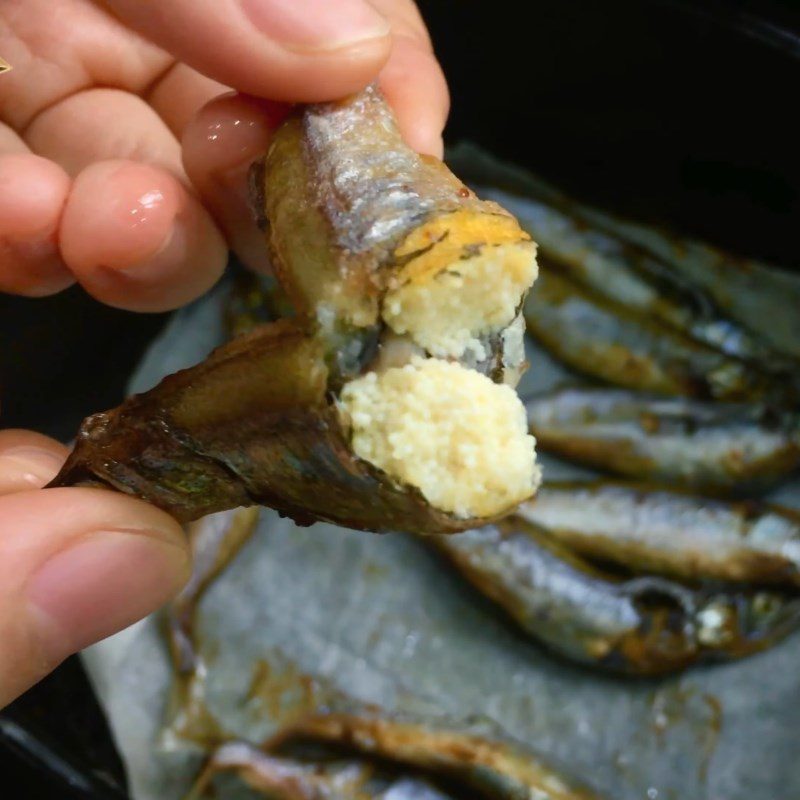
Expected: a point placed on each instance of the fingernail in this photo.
(316, 24)
(101, 584)
(27, 468)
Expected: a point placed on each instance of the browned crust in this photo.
(253, 424)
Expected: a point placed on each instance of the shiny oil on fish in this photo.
(681, 441)
(639, 626)
(672, 533)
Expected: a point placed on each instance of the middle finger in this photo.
(132, 232)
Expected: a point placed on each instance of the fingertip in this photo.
(28, 460)
(287, 50)
(230, 131)
(219, 146)
(298, 77)
(135, 238)
(416, 88)
(33, 192)
(77, 565)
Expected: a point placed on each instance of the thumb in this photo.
(76, 565)
(287, 50)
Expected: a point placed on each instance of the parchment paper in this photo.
(309, 614)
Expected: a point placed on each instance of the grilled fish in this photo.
(671, 533)
(606, 341)
(484, 760)
(389, 384)
(687, 442)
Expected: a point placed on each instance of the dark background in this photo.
(681, 113)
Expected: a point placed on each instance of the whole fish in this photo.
(642, 626)
(739, 304)
(675, 440)
(631, 276)
(473, 755)
(607, 341)
(760, 296)
(361, 409)
(283, 778)
(671, 533)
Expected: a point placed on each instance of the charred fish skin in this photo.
(609, 343)
(671, 533)
(474, 755)
(371, 243)
(707, 445)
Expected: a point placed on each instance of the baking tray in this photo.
(670, 111)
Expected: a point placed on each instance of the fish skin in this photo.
(606, 341)
(640, 626)
(670, 532)
(685, 442)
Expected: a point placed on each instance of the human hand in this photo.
(119, 170)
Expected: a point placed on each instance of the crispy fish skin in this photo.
(693, 443)
(671, 533)
(608, 342)
(374, 246)
(642, 626)
(251, 425)
(489, 763)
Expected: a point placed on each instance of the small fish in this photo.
(364, 233)
(680, 441)
(743, 303)
(641, 626)
(762, 297)
(606, 341)
(282, 778)
(671, 533)
(631, 276)
(371, 243)
(473, 754)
